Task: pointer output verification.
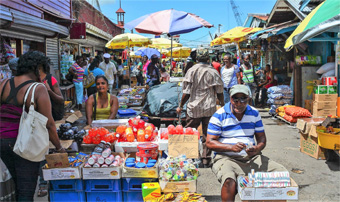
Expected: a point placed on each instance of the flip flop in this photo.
(42, 191)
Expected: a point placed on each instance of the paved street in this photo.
(319, 182)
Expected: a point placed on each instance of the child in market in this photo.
(165, 77)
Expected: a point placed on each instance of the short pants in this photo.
(225, 167)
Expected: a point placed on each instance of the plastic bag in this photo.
(275, 96)
(7, 188)
(326, 67)
(278, 102)
(284, 89)
(297, 112)
(290, 118)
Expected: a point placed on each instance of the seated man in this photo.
(231, 133)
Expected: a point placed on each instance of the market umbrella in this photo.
(148, 52)
(122, 41)
(167, 21)
(236, 34)
(180, 52)
(322, 18)
(133, 55)
(170, 22)
(161, 43)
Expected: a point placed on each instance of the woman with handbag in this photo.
(101, 105)
(91, 74)
(26, 123)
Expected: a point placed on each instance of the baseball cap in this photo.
(106, 55)
(239, 89)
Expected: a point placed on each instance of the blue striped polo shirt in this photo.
(230, 130)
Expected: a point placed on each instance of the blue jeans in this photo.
(226, 95)
(79, 92)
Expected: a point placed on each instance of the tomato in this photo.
(87, 139)
(96, 140)
(171, 129)
(189, 131)
(164, 136)
(179, 129)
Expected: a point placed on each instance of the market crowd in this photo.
(234, 132)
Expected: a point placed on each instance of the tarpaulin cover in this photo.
(162, 100)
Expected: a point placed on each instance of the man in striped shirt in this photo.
(232, 131)
(200, 86)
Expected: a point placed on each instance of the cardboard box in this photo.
(324, 112)
(57, 160)
(183, 144)
(275, 193)
(103, 173)
(309, 105)
(181, 186)
(139, 172)
(309, 145)
(69, 173)
(317, 82)
(325, 97)
(324, 105)
(71, 119)
(305, 125)
(328, 81)
(332, 89)
(319, 89)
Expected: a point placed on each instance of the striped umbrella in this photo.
(322, 18)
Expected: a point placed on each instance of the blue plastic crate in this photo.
(132, 196)
(103, 185)
(106, 196)
(67, 196)
(135, 184)
(67, 185)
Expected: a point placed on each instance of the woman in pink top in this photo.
(146, 63)
(165, 77)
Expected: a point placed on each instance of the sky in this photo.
(214, 11)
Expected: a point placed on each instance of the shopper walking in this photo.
(78, 72)
(200, 86)
(96, 71)
(110, 70)
(230, 74)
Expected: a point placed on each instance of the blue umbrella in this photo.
(148, 52)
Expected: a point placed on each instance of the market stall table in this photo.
(68, 92)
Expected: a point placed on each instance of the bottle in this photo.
(87, 165)
(93, 159)
(100, 147)
(107, 152)
(96, 165)
(107, 145)
(140, 136)
(109, 159)
(101, 160)
(129, 135)
(120, 160)
(104, 166)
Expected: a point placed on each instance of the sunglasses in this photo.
(240, 99)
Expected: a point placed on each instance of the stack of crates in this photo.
(103, 190)
(65, 190)
(132, 188)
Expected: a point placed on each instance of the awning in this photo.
(275, 30)
(26, 23)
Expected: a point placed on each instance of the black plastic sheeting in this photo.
(162, 100)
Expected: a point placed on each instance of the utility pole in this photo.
(219, 30)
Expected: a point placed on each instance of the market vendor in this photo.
(232, 131)
(101, 105)
(153, 73)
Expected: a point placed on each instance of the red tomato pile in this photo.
(178, 130)
(98, 134)
(136, 130)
